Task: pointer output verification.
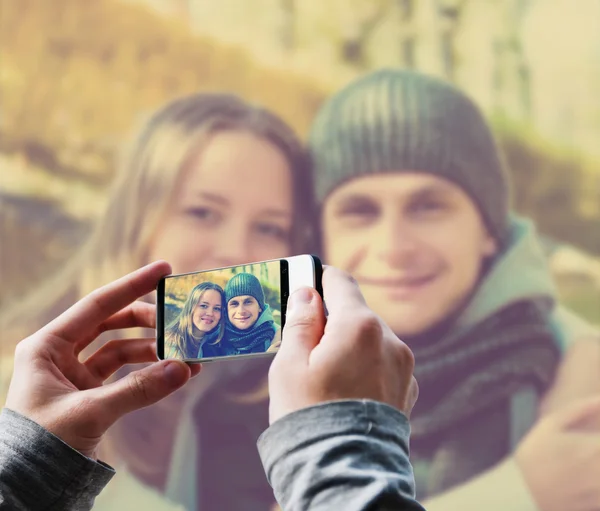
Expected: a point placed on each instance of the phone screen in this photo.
(222, 313)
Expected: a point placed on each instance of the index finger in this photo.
(93, 309)
(340, 292)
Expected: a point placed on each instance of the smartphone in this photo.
(232, 312)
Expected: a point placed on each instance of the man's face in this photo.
(414, 242)
(243, 311)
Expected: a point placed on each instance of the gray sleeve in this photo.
(40, 471)
(351, 455)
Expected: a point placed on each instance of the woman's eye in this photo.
(202, 213)
(203, 306)
(217, 309)
(273, 230)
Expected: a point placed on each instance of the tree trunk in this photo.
(407, 34)
(449, 14)
(512, 83)
(354, 44)
(288, 24)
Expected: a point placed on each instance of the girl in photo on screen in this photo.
(198, 329)
(250, 327)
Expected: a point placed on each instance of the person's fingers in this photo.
(194, 369)
(304, 323)
(85, 316)
(141, 388)
(583, 415)
(340, 292)
(136, 314)
(117, 353)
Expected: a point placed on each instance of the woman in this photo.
(414, 202)
(174, 200)
(250, 327)
(198, 329)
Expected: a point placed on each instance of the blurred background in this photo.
(178, 289)
(76, 76)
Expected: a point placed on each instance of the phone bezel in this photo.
(313, 281)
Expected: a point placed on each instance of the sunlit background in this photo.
(77, 76)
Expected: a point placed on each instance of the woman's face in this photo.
(243, 311)
(414, 242)
(207, 313)
(232, 206)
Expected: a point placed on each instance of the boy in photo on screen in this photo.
(250, 326)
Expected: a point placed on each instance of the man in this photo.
(415, 204)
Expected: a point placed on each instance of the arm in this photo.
(350, 455)
(531, 479)
(59, 407)
(40, 471)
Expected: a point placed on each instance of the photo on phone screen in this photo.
(229, 312)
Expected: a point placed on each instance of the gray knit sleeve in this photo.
(350, 455)
(40, 471)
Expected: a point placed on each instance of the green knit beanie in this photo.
(245, 284)
(399, 120)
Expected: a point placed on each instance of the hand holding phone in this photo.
(231, 312)
(67, 396)
(352, 355)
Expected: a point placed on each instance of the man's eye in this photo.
(358, 210)
(427, 207)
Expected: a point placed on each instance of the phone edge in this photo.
(160, 327)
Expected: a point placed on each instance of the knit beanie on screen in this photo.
(245, 284)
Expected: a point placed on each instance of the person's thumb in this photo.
(578, 376)
(143, 388)
(304, 324)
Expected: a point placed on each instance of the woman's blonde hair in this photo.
(145, 184)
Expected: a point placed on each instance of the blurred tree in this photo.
(367, 14)
(183, 9)
(287, 25)
(407, 33)
(547, 187)
(449, 13)
(78, 72)
(272, 297)
(511, 75)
